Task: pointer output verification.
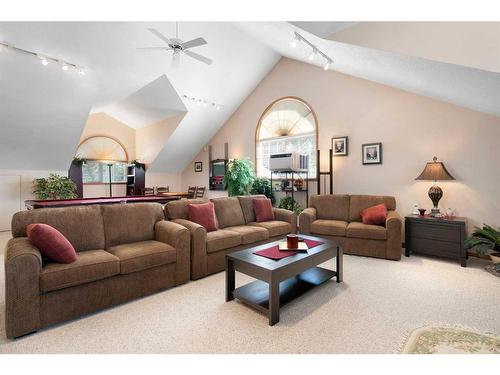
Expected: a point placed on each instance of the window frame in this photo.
(107, 182)
(264, 113)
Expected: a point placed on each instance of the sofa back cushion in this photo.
(179, 209)
(133, 222)
(331, 207)
(82, 226)
(360, 202)
(246, 203)
(228, 211)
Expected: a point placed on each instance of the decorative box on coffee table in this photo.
(443, 237)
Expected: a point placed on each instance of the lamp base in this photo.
(435, 212)
(435, 193)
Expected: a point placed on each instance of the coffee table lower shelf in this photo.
(256, 294)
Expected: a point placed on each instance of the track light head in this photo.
(312, 55)
(43, 60)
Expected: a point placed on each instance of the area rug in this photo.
(448, 340)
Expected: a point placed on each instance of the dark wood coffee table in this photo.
(280, 281)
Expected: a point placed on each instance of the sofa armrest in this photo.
(198, 248)
(177, 236)
(306, 218)
(286, 215)
(23, 265)
(393, 224)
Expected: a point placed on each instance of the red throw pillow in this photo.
(51, 243)
(203, 214)
(263, 209)
(375, 215)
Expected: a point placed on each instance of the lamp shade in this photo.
(435, 171)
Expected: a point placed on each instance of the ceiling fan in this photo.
(178, 46)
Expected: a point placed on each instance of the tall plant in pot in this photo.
(54, 187)
(263, 186)
(239, 177)
(486, 240)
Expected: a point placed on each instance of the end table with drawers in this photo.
(442, 236)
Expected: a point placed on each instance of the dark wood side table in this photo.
(442, 237)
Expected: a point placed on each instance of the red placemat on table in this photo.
(275, 253)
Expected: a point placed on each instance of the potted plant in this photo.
(77, 160)
(288, 203)
(263, 186)
(54, 187)
(239, 177)
(485, 240)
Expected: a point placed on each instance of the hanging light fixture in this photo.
(315, 50)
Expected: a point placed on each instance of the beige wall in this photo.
(474, 44)
(412, 129)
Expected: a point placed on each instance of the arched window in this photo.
(287, 125)
(99, 152)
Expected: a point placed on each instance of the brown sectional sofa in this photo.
(123, 252)
(337, 216)
(238, 230)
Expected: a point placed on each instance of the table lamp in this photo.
(435, 171)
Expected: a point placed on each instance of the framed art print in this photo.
(340, 146)
(198, 166)
(372, 153)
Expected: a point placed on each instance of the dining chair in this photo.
(162, 189)
(200, 192)
(191, 192)
(149, 191)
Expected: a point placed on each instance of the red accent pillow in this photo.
(263, 209)
(375, 215)
(51, 243)
(203, 214)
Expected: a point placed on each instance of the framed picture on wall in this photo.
(340, 146)
(372, 153)
(198, 166)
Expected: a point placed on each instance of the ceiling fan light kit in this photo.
(315, 50)
(44, 59)
(177, 46)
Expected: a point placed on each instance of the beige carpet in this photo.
(373, 311)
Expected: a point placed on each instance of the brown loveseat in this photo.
(238, 230)
(123, 252)
(338, 216)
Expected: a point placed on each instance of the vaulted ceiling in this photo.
(43, 109)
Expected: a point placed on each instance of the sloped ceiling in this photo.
(44, 109)
(468, 87)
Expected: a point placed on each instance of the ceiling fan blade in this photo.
(160, 35)
(194, 43)
(196, 56)
(154, 48)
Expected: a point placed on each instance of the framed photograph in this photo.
(340, 146)
(198, 166)
(372, 153)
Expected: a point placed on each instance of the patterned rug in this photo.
(447, 340)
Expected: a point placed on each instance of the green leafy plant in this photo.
(239, 177)
(288, 203)
(135, 163)
(484, 240)
(263, 186)
(79, 161)
(54, 187)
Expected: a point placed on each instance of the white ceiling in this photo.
(43, 109)
(323, 29)
(468, 87)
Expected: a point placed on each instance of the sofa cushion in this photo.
(274, 227)
(91, 265)
(222, 239)
(375, 215)
(331, 207)
(127, 223)
(329, 227)
(263, 209)
(371, 232)
(75, 223)
(250, 234)
(246, 202)
(203, 214)
(179, 209)
(142, 255)
(360, 202)
(228, 211)
(51, 243)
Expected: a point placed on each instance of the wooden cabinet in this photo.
(136, 178)
(442, 237)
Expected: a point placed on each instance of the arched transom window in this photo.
(287, 125)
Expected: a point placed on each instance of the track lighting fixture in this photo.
(44, 59)
(312, 55)
(315, 50)
(202, 102)
(294, 41)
